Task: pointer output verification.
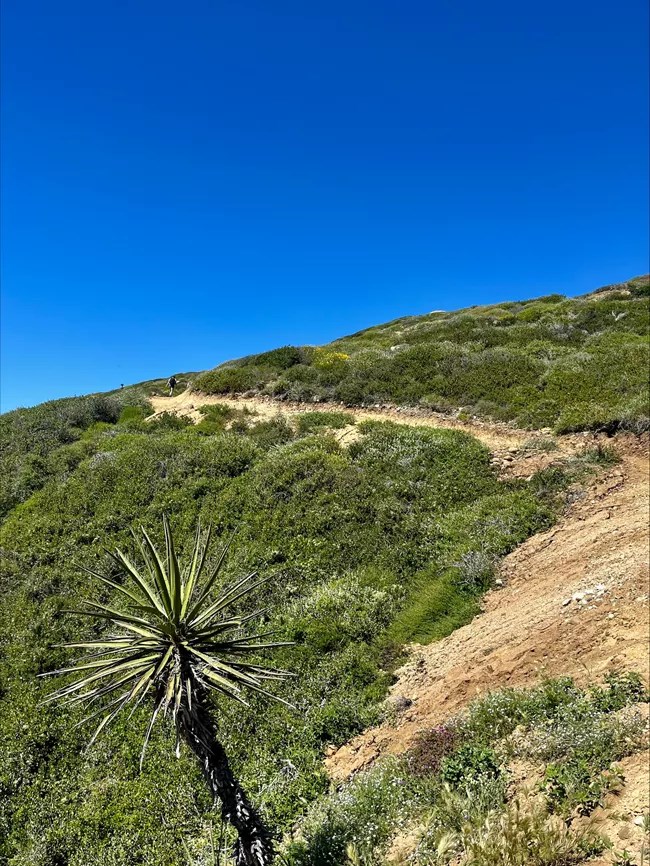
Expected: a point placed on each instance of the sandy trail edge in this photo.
(495, 436)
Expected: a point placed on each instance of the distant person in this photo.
(171, 384)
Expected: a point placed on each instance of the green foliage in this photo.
(346, 536)
(232, 380)
(280, 359)
(575, 784)
(30, 437)
(451, 790)
(568, 363)
(168, 421)
(309, 422)
(621, 689)
(467, 763)
(363, 814)
(132, 417)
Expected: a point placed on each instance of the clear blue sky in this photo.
(188, 182)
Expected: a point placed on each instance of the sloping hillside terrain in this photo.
(466, 592)
(565, 363)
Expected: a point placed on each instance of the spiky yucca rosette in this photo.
(176, 642)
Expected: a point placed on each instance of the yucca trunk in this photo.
(254, 846)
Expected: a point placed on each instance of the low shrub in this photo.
(430, 749)
(308, 422)
(468, 763)
(232, 380)
(575, 784)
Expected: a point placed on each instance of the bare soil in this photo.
(575, 602)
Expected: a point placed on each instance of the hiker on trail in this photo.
(171, 384)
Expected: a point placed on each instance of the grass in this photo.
(308, 422)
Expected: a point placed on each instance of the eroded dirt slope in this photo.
(575, 602)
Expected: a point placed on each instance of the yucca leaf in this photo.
(101, 663)
(119, 667)
(108, 718)
(273, 697)
(242, 643)
(98, 644)
(124, 623)
(125, 564)
(118, 587)
(98, 692)
(229, 598)
(223, 685)
(205, 591)
(217, 665)
(158, 572)
(147, 735)
(99, 711)
(173, 571)
(198, 561)
(218, 628)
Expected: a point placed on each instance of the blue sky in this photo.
(185, 183)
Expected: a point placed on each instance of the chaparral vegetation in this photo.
(361, 546)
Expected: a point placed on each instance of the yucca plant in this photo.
(175, 643)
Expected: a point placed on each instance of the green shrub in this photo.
(232, 380)
(308, 422)
(575, 784)
(621, 689)
(276, 431)
(467, 763)
(168, 421)
(279, 359)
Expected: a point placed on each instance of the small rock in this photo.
(399, 702)
(498, 582)
(566, 601)
(578, 596)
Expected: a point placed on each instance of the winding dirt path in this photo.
(496, 436)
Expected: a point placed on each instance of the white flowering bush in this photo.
(362, 815)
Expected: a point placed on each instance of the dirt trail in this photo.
(575, 602)
(496, 436)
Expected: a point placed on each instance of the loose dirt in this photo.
(575, 602)
(498, 437)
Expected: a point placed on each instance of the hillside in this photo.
(570, 364)
(425, 555)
